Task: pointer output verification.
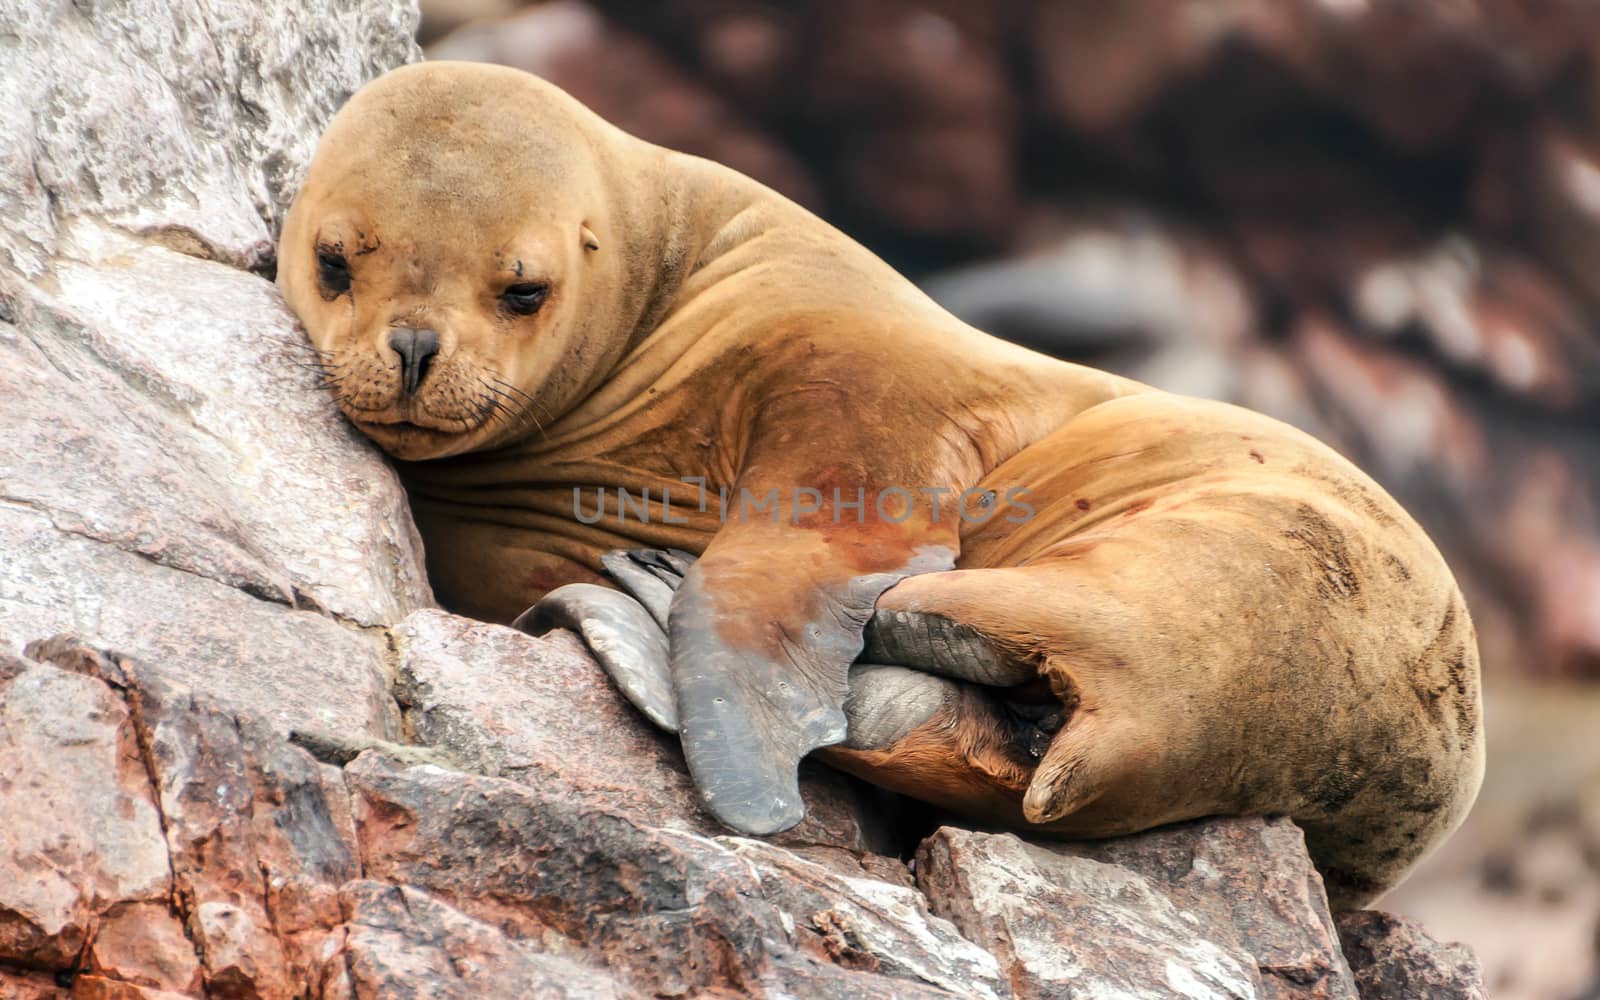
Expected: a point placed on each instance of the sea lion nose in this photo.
(416, 349)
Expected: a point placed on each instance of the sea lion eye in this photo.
(524, 299)
(333, 271)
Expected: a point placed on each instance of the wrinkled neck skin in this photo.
(730, 294)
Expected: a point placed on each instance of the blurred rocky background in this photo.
(1376, 219)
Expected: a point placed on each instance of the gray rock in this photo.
(1226, 908)
(174, 484)
(667, 911)
(299, 668)
(186, 123)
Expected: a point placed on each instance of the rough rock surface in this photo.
(161, 426)
(199, 558)
(220, 860)
(1393, 958)
(1159, 912)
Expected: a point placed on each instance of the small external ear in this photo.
(589, 240)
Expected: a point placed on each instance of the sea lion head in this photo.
(453, 254)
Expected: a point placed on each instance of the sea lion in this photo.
(1087, 607)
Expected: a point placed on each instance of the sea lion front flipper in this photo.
(899, 680)
(886, 699)
(622, 634)
(763, 632)
(983, 740)
(925, 642)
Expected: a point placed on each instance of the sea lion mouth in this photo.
(403, 425)
(407, 425)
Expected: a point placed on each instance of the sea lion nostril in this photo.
(416, 349)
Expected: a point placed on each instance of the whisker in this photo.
(306, 347)
(510, 405)
(497, 380)
(493, 406)
(528, 397)
(514, 388)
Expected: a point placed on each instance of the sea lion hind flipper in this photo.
(887, 702)
(1083, 760)
(935, 644)
(622, 635)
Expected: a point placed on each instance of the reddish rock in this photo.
(256, 852)
(923, 60)
(1394, 959)
(82, 834)
(91, 987)
(402, 943)
(1565, 189)
(1494, 314)
(20, 984)
(906, 109)
(143, 944)
(1396, 410)
(1097, 64)
(941, 181)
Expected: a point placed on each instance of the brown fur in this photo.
(1241, 621)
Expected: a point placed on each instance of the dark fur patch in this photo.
(1340, 783)
(1444, 669)
(1326, 545)
(1358, 498)
(1397, 566)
